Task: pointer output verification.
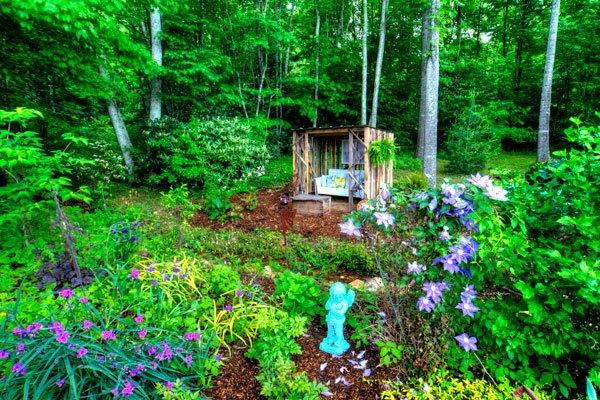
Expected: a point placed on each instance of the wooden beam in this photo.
(350, 170)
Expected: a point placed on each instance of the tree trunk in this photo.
(504, 29)
(423, 103)
(378, 65)
(543, 150)
(120, 129)
(365, 65)
(317, 60)
(157, 56)
(432, 74)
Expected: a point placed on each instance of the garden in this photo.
(299, 200)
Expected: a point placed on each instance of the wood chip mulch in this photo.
(237, 380)
(344, 375)
(267, 215)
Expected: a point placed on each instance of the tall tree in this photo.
(378, 65)
(543, 148)
(119, 126)
(432, 76)
(423, 102)
(157, 56)
(365, 64)
(317, 61)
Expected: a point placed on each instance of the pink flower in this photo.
(18, 369)
(62, 337)
(128, 389)
(496, 193)
(4, 354)
(169, 385)
(18, 332)
(239, 293)
(56, 327)
(87, 325)
(189, 360)
(108, 335)
(83, 300)
(135, 274)
(21, 348)
(60, 382)
(139, 319)
(82, 352)
(348, 228)
(67, 293)
(191, 336)
(142, 333)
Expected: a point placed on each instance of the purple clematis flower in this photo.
(348, 228)
(496, 193)
(482, 182)
(468, 294)
(445, 234)
(433, 291)
(425, 304)
(466, 342)
(468, 308)
(415, 268)
(384, 218)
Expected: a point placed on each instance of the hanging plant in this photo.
(382, 151)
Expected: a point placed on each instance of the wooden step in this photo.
(311, 204)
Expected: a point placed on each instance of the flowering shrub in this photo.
(72, 359)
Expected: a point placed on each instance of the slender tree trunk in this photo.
(378, 65)
(543, 150)
(365, 64)
(433, 75)
(157, 56)
(423, 103)
(317, 61)
(120, 129)
(504, 29)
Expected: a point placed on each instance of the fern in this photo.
(382, 151)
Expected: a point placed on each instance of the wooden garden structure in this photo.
(318, 150)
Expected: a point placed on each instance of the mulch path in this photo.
(344, 375)
(267, 215)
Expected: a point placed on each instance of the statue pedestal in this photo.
(336, 349)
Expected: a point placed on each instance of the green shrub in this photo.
(412, 182)
(301, 294)
(544, 247)
(222, 279)
(407, 162)
(207, 153)
(469, 144)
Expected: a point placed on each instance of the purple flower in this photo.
(169, 385)
(466, 342)
(384, 218)
(445, 235)
(87, 325)
(83, 300)
(4, 354)
(152, 350)
(135, 274)
(82, 352)
(239, 293)
(218, 357)
(56, 327)
(468, 294)
(482, 182)
(21, 348)
(67, 293)
(60, 382)
(496, 193)
(139, 319)
(432, 204)
(19, 332)
(62, 337)
(165, 354)
(150, 269)
(154, 282)
(189, 360)
(18, 369)
(468, 308)
(33, 328)
(115, 391)
(415, 268)
(425, 304)
(142, 333)
(108, 335)
(191, 336)
(348, 228)
(128, 389)
(433, 291)
(249, 295)
(228, 308)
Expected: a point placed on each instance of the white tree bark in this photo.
(423, 104)
(379, 64)
(120, 129)
(365, 64)
(157, 56)
(543, 149)
(317, 61)
(433, 76)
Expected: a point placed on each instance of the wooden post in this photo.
(307, 160)
(368, 180)
(350, 170)
(295, 166)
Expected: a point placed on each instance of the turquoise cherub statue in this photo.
(340, 300)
